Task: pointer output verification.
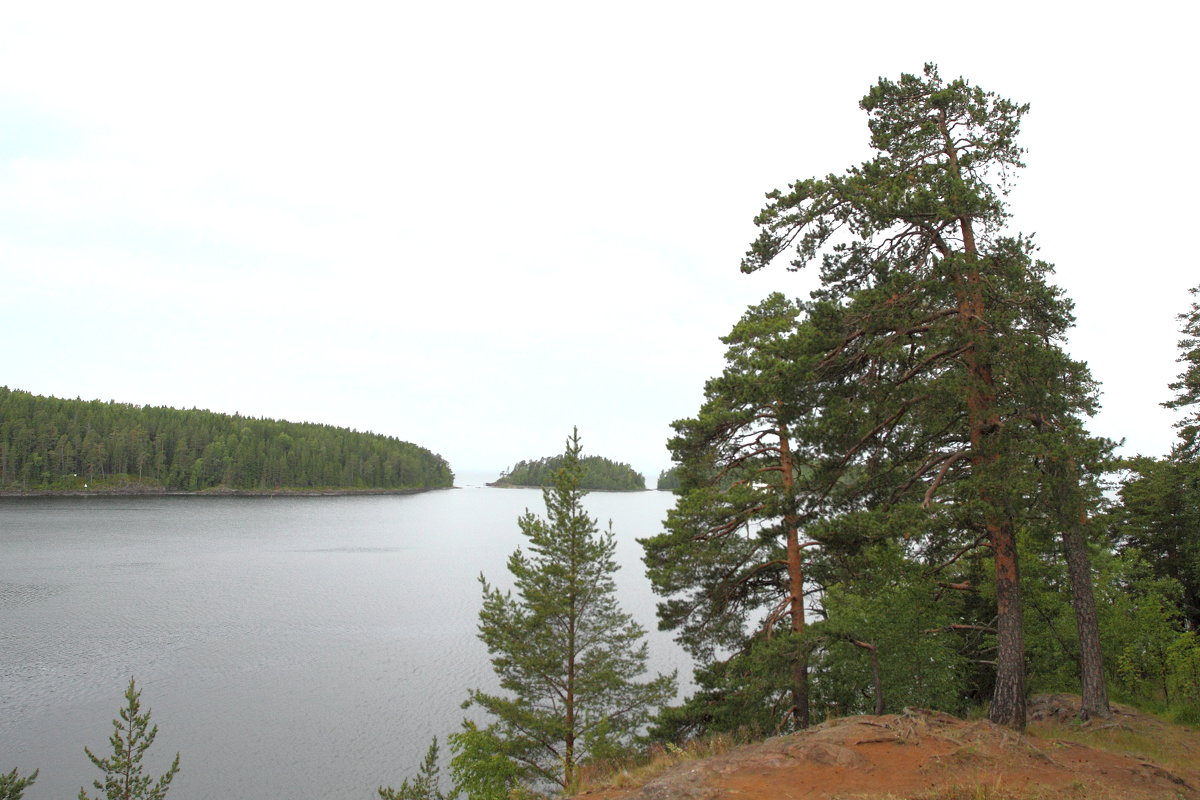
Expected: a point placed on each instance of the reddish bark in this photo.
(1008, 697)
(795, 587)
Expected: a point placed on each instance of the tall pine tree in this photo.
(948, 332)
(732, 546)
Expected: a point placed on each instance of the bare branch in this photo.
(933, 487)
(961, 627)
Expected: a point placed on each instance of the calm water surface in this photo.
(288, 647)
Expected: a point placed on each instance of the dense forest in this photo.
(599, 474)
(49, 444)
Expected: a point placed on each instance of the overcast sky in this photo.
(472, 225)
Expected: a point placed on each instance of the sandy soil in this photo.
(927, 755)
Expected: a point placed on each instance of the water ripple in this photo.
(20, 594)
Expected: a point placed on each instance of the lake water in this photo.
(288, 647)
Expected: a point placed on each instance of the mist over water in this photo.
(288, 647)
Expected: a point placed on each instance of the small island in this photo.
(669, 479)
(599, 475)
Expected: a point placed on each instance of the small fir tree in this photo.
(565, 654)
(132, 736)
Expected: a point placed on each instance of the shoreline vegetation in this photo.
(54, 446)
(215, 492)
(498, 484)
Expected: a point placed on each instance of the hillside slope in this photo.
(927, 755)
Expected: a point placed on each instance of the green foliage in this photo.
(1187, 387)
(484, 766)
(941, 335)
(1183, 670)
(425, 786)
(52, 444)
(891, 614)
(747, 694)
(565, 654)
(1159, 512)
(124, 778)
(669, 480)
(882, 632)
(599, 474)
(13, 786)
(1149, 654)
(721, 559)
(1158, 517)
(1052, 646)
(1142, 663)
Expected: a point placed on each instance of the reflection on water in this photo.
(289, 647)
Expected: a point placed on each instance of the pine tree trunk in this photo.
(569, 701)
(1083, 599)
(1091, 662)
(800, 688)
(876, 677)
(1008, 696)
(796, 588)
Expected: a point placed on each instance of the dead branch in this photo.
(933, 487)
(979, 542)
(916, 370)
(961, 627)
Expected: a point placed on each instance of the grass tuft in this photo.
(620, 773)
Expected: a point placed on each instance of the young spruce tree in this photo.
(566, 655)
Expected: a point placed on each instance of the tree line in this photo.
(599, 474)
(49, 444)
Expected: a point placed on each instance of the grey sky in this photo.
(473, 225)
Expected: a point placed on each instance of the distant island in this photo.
(54, 446)
(668, 479)
(599, 475)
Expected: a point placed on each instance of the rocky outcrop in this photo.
(919, 754)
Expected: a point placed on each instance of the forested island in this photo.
(669, 480)
(599, 474)
(49, 444)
